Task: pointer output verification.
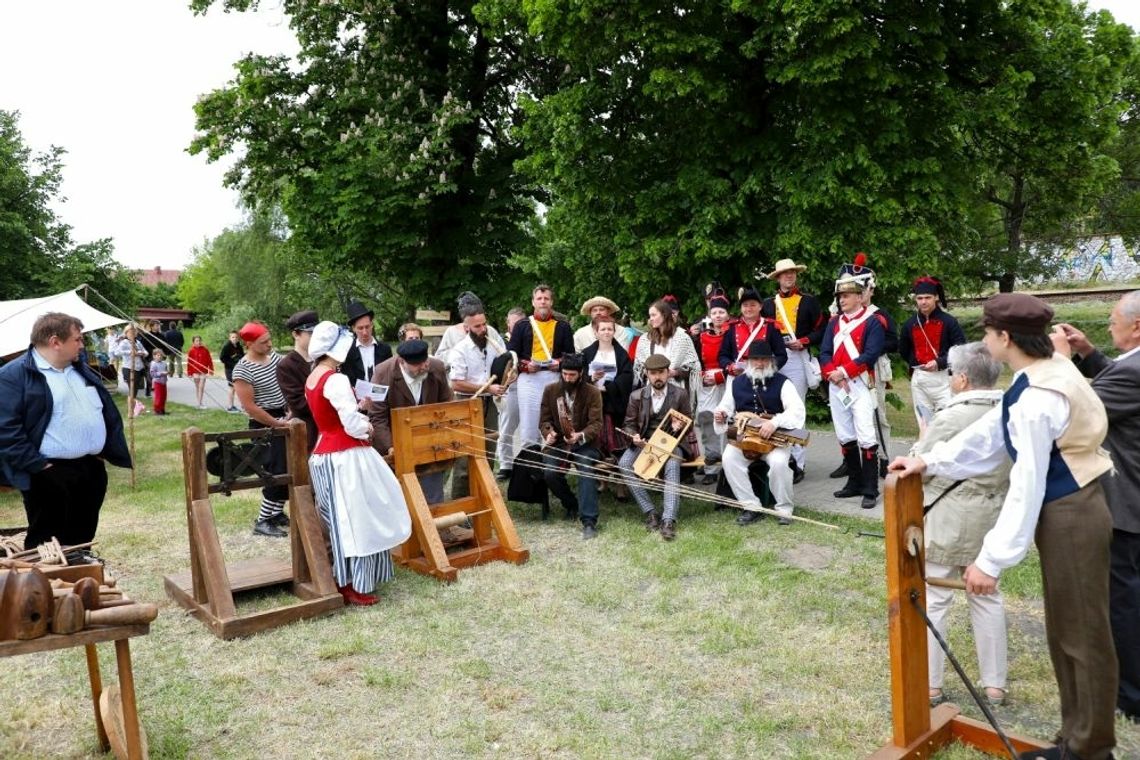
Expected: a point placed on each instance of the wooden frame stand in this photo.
(434, 434)
(208, 589)
(919, 732)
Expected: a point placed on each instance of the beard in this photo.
(659, 383)
(760, 374)
(480, 341)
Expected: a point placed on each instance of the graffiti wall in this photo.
(1099, 259)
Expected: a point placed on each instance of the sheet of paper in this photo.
(365, 389)
(609, 369)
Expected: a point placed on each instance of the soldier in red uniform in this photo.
(924, 343)
(749, 327)
(852, 343)
(711, 391)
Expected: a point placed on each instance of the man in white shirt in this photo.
(57, 427)
(600, 306)
(366, 353)
(1054, 498)
(470, 369)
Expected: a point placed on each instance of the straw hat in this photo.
(785, 265)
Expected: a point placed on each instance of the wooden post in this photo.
(919, 732)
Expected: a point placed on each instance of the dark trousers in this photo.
(64, 501)
(275, 459)
(586, 503)
(1073, 537)
(1124, 607)
(138, 379)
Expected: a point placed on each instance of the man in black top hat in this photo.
(745, 331)
(366, 353)
(294, 368)
(761, 390)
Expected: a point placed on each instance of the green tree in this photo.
(386, 143)
(31, 237)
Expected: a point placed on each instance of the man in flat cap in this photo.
(570, 421)
(600, 306)
(648, 408)
(293, 370)
(761, 390)
(367, 352)
(924, 343)
(413, 379)
(1055, 498)
(800, 319)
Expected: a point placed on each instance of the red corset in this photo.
(333, 437)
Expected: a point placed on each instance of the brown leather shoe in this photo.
(668, 529)
(651, 521)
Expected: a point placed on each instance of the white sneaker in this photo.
(201, 406)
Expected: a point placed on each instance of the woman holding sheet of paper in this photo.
(610, 368)
(357, 495)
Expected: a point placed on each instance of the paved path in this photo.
(814, 491)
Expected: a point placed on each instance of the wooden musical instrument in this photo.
(565, 421)
(660, 446)
(745, 435)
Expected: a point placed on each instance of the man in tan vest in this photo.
(1054, 498)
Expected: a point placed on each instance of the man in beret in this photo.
(1055, 498)
(924, 343)
(413, 379)
(1117, 383)
(648, 408)
(800, 319)
(600, 306)
(570, 421)
(761, 390)
(293, 370)
(367, 352)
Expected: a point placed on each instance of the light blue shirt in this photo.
(76, 427)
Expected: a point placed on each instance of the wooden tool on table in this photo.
(70, 615)
(25, 604)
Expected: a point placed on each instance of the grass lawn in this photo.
(727, 643)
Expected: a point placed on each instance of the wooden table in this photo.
(88, 638)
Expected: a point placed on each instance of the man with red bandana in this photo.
(924, 342)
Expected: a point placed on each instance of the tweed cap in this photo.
(1018, 313)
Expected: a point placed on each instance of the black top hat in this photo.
(748, 293)
(759, 349)
(356, 310)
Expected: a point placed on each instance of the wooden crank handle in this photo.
(954, 583)
(128, 614)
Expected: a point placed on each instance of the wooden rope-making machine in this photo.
(432, 437)
(920, 731)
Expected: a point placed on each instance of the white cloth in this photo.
(1036, 421)
(370, 512)
(795, 369)
(779, 478)
(682, 356)
(930, 392)
(123, 351)
(367, 356)
(415, 384)
(455, 334)
(530, 387)
(505, 450)
(987, 618)
(584, 336)
(470, 363)
(855, 422)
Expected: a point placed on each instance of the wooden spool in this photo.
(115, 724)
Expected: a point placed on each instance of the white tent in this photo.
(17, 317)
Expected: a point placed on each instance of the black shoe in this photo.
(848, 491)
(797, 472)
(748, 517)
(668, 529)
(883, 468)
(571, 513)
(267, 528)
(783, 521)
(281, 520)
(840, 471)
(868, 502)
(589, 530)
(503, 475)
(651, 521)
(708, 480)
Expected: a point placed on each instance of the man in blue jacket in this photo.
(58, 426)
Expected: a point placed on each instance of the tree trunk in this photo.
(1014, 217)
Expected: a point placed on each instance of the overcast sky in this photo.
(114, 83)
